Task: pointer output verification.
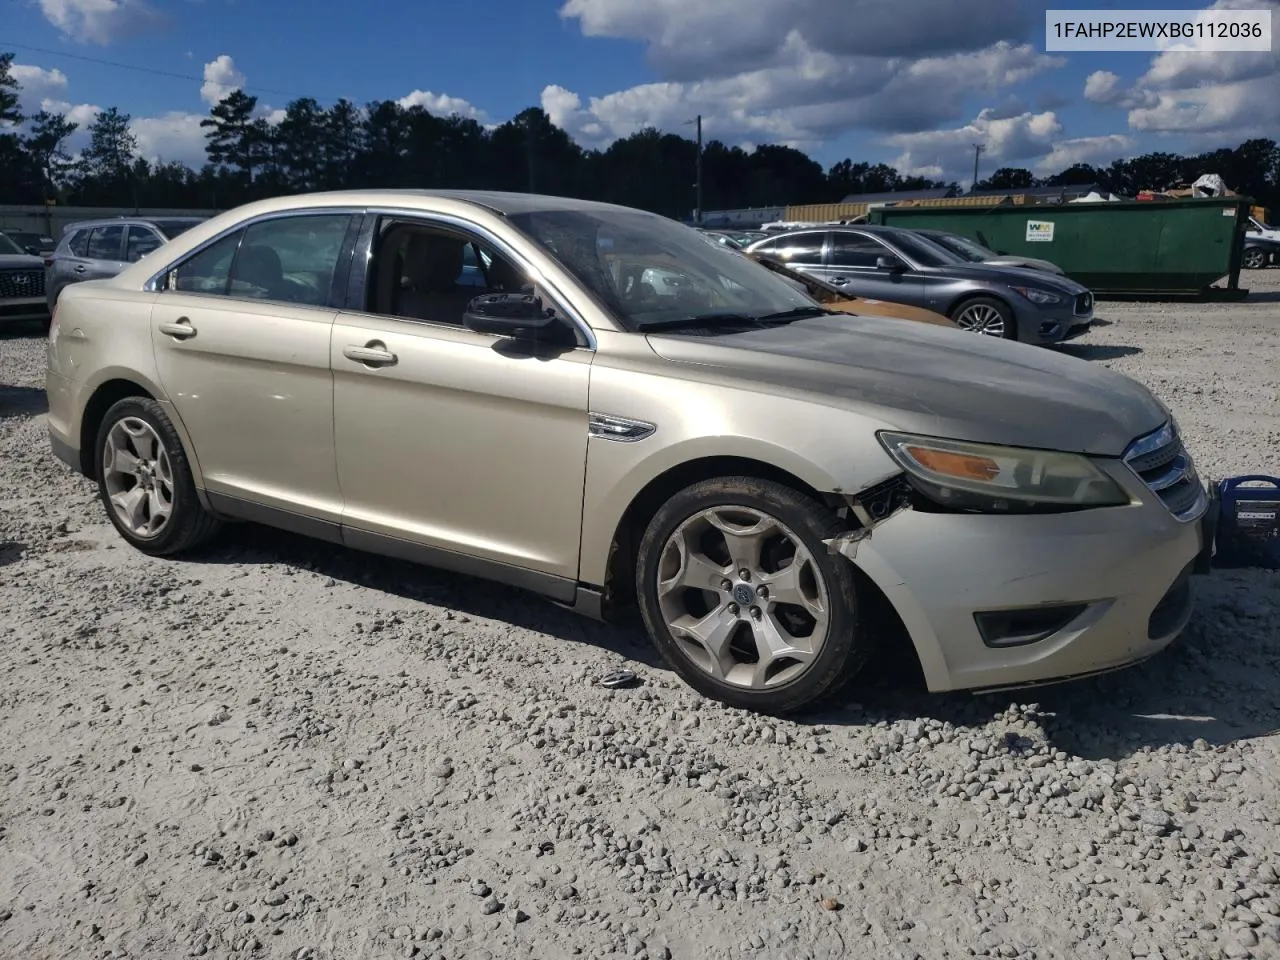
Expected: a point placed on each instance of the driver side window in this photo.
(421, 272)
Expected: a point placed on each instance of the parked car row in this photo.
(34, 269)
(1261, 245)
(598, 405)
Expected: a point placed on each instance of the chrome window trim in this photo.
(559, 300)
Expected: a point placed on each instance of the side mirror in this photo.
(517, 315)
(888, 263)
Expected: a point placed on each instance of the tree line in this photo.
(386, 144)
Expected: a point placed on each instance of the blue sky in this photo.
(911, 82)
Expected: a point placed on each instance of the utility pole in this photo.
(697, 212)
(977, 152)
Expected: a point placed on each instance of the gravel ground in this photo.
(282, 749)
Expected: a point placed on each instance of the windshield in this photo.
(8, 246)
(970, 250)
(922, 250)
(650, 271)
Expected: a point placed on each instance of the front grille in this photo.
(1084, 303)
(1163, 464)
(20, 284)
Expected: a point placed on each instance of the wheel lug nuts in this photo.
(733, 608)
(763, 593)
(755, 613)
(726, 584)
(744, 573)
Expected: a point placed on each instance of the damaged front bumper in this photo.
(1069, 594)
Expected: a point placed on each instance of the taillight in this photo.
(48, 262)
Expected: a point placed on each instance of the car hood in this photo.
(935, 381)
(1018, 276)
(1029, 263)
(20, 261)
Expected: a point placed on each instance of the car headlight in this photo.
(1036, 295)
(994, 479)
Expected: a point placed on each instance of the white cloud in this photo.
(173, 136)
(1102, 86)
(1220, 96)
(948, 154)
(1093, 150)
(809, 96)
(100, 21)
(38, 85)
(442, 105)
(802, 71)
(220, 79)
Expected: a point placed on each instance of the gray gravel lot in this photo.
(284, 749)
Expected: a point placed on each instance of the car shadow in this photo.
(1100, 322)
(23, 401)
(1098, 351)
(11, 551)
(254, 544)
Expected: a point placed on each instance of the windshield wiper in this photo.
(799, 313)
(736, 319)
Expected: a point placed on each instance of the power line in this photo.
(5, 45)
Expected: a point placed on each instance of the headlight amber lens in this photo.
(997, 478)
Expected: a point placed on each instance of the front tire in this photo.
(987, 316)
(743, 599)
(145, 481)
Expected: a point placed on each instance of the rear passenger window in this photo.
(105, 243)
(209, 271)
(79, 243)
(291, 259)
(800, 248)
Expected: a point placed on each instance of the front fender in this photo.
(830, 450)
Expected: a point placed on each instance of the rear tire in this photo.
(761, 652)
(987, 316)
(1254, 258)
(145, 481)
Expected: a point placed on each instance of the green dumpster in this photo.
(1126, 247)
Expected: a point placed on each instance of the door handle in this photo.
(839, 281)
(181, 330)
(372, 354)
(80, 269)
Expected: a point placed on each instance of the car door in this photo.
(241, 334)
(853, 258)
(458, 448)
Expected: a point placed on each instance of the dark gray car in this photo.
(888, 263)
(95, 249)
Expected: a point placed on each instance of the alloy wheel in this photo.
(743, 597)
(1254, 259)
(981, 318)
(138, 477)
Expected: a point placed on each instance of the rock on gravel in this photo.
(277, 748)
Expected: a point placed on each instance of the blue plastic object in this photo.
(1248, 533)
